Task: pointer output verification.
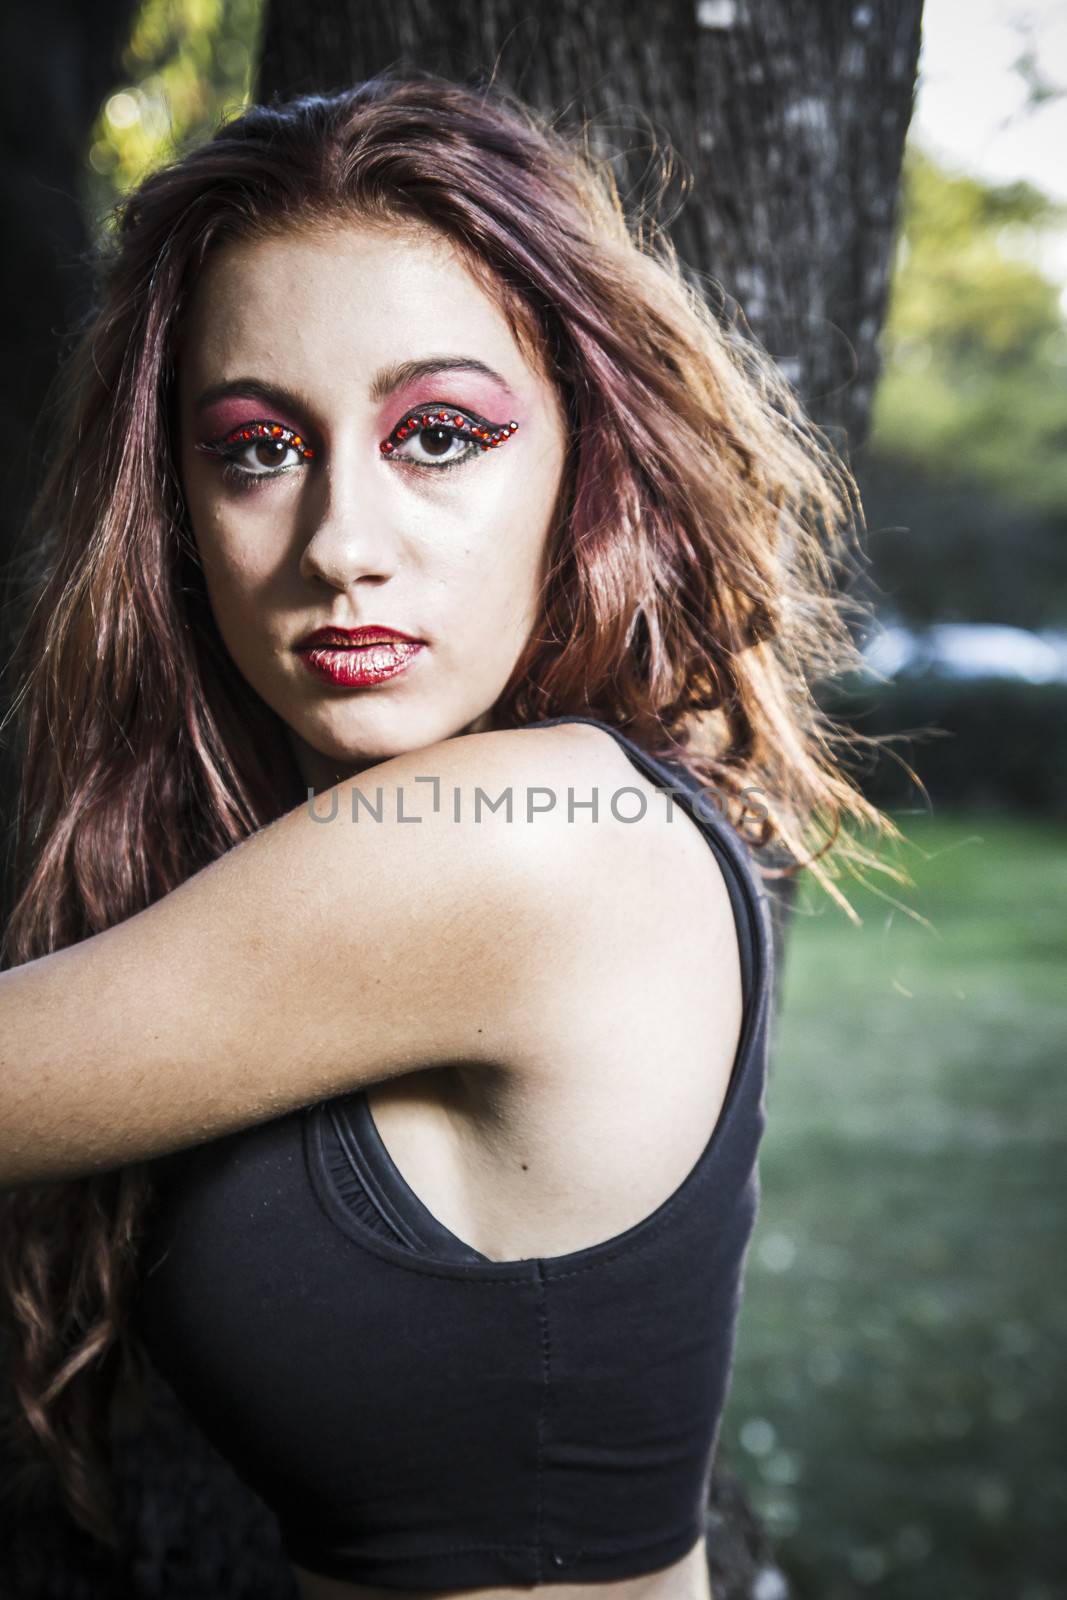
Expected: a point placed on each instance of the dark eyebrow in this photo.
(385, 381)
(390, 378)
(272, 393)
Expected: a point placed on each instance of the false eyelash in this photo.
(484, 435)
(230, 446)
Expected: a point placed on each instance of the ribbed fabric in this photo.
(364, 1176)
(418, 1415)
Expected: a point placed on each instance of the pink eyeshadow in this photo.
(463, 390)
(493, 401)
(222, 416)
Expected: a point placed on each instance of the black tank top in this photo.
(418, 1415)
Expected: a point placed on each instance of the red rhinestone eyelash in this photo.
(260, 430)
(486, 435)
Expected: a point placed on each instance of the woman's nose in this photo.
(351, 534)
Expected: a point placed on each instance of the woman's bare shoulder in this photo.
(445, 905)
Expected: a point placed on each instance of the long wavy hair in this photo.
(691, 598)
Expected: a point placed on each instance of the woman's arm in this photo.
(314, 957)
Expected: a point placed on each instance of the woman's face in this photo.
(335, 338)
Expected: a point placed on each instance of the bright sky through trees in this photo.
(992, 98)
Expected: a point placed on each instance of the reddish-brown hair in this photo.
(690, 598)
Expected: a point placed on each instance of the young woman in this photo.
(431, 595)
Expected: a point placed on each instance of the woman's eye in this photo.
(266, 453)
(428, 438)
(260, 450)
(436, 445)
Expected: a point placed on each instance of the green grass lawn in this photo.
(898, 1407)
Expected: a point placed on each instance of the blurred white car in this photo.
(968, 650)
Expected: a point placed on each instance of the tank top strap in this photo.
(747, 894)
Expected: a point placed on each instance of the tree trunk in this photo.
(56, 66)
(790, 119)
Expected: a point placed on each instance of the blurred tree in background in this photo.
(965, 479)
(976, 339)
(187, 66)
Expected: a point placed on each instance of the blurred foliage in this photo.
(944, 548)
(188, 66)
(984, 744)
(975, 383)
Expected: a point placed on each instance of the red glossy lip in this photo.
(353, 638)
(361, 666)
